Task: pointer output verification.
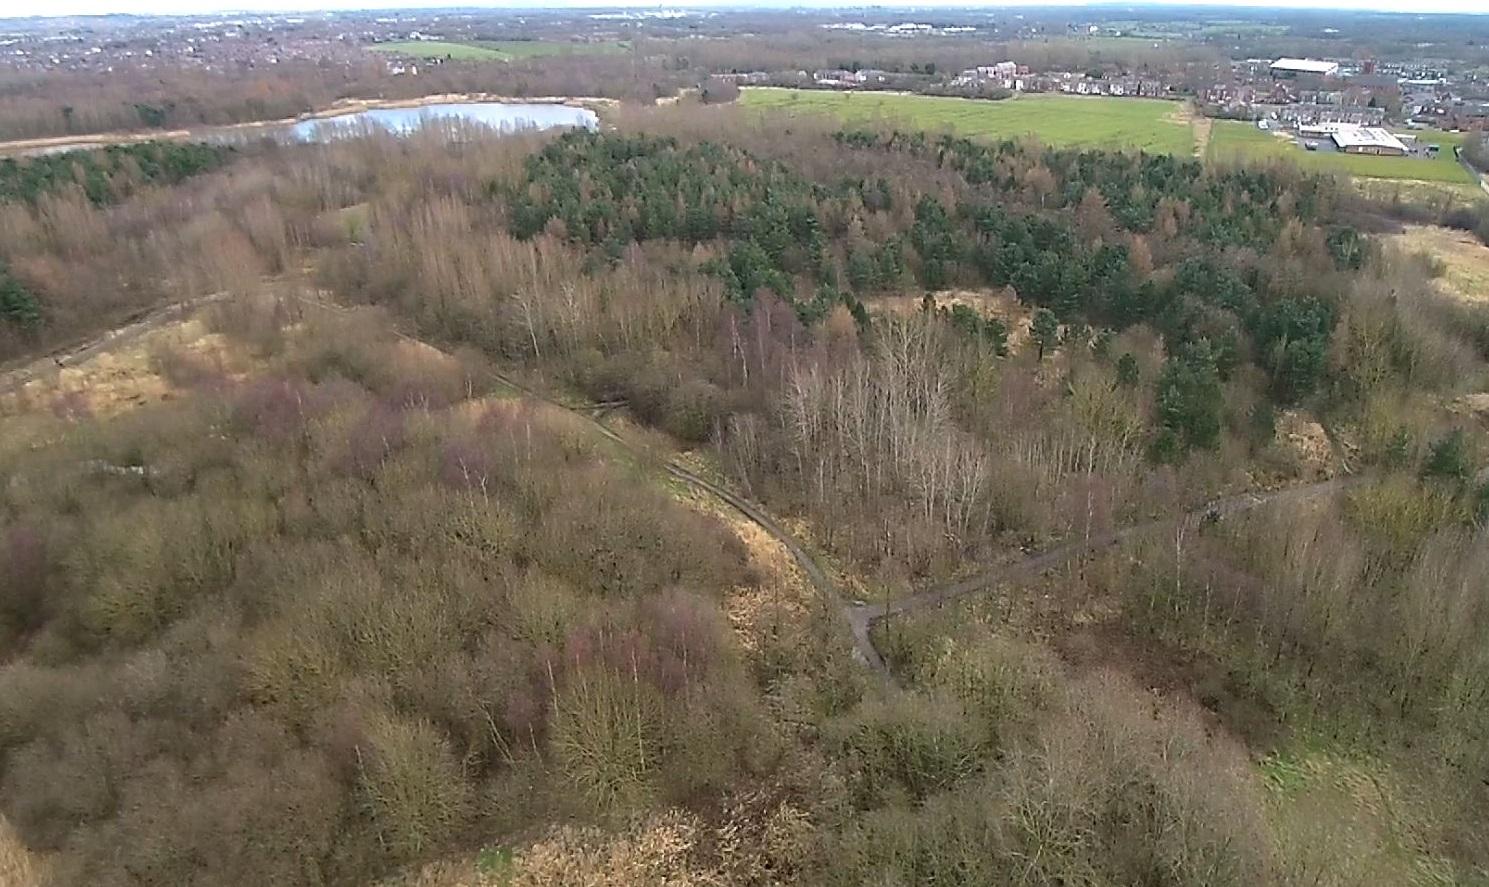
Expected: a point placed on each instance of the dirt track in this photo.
(860, 618)
(867, 614)
(16, 378)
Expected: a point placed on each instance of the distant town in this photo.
(1363, 98)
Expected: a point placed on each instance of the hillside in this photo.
(735, 497)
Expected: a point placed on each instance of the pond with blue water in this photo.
(501, 116)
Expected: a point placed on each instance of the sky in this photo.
(182, 7)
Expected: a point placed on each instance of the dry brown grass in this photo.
(660, 850)
(19, 867)
(53, 400)
(133, 376)
(1464, 258)
(1473, 404)
(758, 842)
(1306, 439)
(1000, 303)
(782, 596)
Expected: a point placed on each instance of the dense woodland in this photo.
(348, 605)
(108, 174)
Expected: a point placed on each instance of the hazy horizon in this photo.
(208, 7)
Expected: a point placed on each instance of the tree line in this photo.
(109, 173)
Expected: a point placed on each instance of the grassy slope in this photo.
(1239, 141)
(428, 49)
(527, 49)
(1465, 260)
(491, 50)
(1061, 120)
(1081, 121)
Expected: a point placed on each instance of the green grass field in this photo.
(491, 50)
(1094, 122)
(1237, 141)
(430, 49)
(1090, 122)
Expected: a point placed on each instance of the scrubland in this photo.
(330, 602)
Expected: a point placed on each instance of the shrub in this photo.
(1166, 803)
(1004, 684)
(693, 410)
(1399, 513)
(908, 747)
(251, 807)
(1447, 457)
(411, 786)
(606, 737)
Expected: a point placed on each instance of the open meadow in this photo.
(492, 50)
(1151, 125)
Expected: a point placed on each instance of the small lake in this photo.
(500, 116)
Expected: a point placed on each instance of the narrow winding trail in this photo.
(19, 376)
(863, 646)
(862, 617)
(866, 615)
(859, 617)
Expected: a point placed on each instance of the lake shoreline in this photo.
(341, 108)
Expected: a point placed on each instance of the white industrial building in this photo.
(1368, 140)
(1350, 138)
(1308, 67)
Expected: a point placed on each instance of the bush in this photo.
(411, 785)
(1004, 684)
(607, 732)
(908, 747)
(1398, 513)
(1117, 788)
(693, 410)
(1447, 457)
(252, 808)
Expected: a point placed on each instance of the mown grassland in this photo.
(1097, 122)
(1061, 120)
(430, 49)
(491, 50)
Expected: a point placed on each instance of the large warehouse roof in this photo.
(1366, 137)
(1306, 66)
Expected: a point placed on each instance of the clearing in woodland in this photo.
(1059, 120)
